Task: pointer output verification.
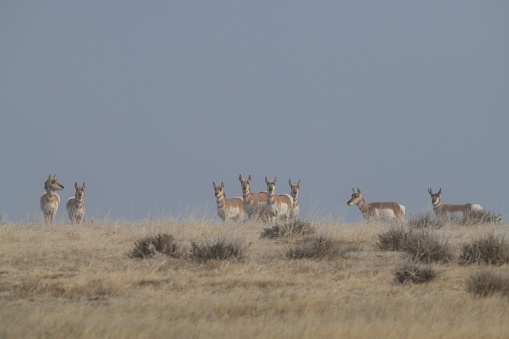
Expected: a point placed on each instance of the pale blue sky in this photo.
(149, 102)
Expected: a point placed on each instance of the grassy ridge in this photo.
(80, 281)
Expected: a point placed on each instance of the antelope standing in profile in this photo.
(278, 206)
(228, 208)
(377, 210)
(294, 191)
(50, 200)
(76, 206)
(451, 212)
(255, 204)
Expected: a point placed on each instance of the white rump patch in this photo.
(476, 207)
(402, 208)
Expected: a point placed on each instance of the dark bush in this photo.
(487, 282)
(425, 246)
(489, 249)
(150, 246)
(320, 248)
(482, 217)
(221, 249)
(392, 240)
(427, 220)
(289, 229)
(414, 273)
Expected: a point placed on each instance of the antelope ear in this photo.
(76, 185)
(275, 180)
(222, 185)
(358, 190)
(298, 184)
(49, 176)
(266, 181)
(84, 186)
(240, 177)
(290, 182)
(213, 184)
(249, 178)
(440, 191)
(353, 190)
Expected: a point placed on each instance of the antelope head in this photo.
(356, 197)
(245, 184)
(435, 197)
(294, 188)
(218, 189)
(271, 185)
(80, 191)
(52, 184)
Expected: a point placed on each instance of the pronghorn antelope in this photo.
(376, 210)
(76, 206)
(255, 204)
(450, 212)
(228, 208)
(294, 191)
(278, 206)
(50, 200)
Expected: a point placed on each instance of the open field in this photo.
(77, 281)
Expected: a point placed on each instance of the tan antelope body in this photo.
(50, 200)
(450, 212)
(377, 210)
(278, 206)
(75, 205)
(255, 204)
(228, 208)
(294, 192)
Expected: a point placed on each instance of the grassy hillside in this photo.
(82, 281)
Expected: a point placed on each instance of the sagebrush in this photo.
(321, 247)
(489, 249)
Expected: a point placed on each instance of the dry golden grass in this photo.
(63, 281)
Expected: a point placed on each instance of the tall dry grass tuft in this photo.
(414, 273)
(479, 217)
(487, 282)
(426, 220)
(489, 249)
(322, 247)
(289, 229)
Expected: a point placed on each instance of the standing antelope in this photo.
(255, 204)
(50, 200)
(294, 191)
(228, 208)
(377, 210)
(278, 206)
(450, 212)
(76, 206)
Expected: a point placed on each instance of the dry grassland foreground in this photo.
(80, 281)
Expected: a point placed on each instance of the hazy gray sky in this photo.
(149, 102)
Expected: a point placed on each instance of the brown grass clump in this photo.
(221, 249)
(487, 282)
(392, 240)
(478, 217)
(489, 249)
(414, 273)
(148, 247)
(289, 229)
(426, 220)
(320, 248)
(426, 246)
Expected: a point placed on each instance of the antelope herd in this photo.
(265, 205)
